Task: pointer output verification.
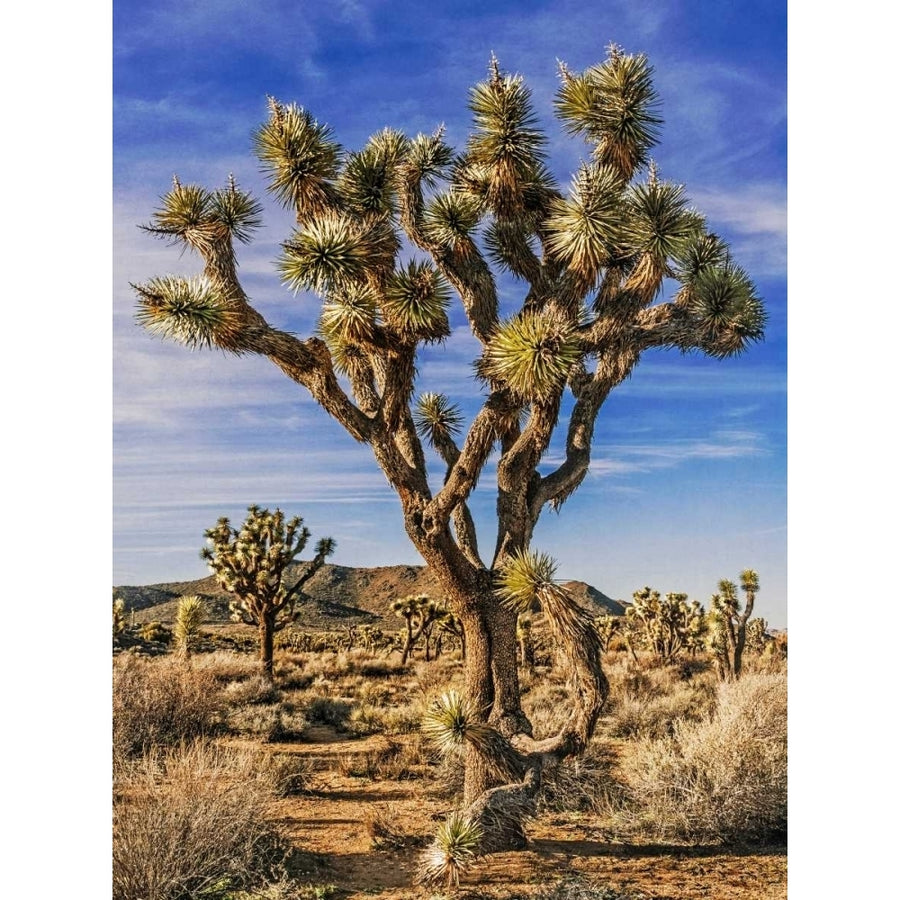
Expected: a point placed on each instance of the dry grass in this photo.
(724, 777)
(193, 821)
(161, 702)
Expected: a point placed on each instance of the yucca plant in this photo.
(388, 237)
(188, 618)
(454, 846)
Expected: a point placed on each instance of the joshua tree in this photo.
(591, 260)
(419, 612)
(728, 623)
(252, 563)
(665, 626)
(188, 619)
(607, 627)
(526, 643)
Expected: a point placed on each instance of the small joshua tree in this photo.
(188, 619)
(252, 563)
(758, 637)
(526, 643)
(607, 627)
(664, 626)
(728, 623)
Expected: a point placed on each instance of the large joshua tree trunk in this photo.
(267, 645)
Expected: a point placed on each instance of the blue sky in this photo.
(688, 483)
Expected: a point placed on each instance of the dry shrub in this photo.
(581, 784)
(268, 722)
(255, 689)
(655, 717)
(161, 702)
(393, 761)
(287, 773)
(385, 833)
(190, 822)
(225, 665)
(724, 777)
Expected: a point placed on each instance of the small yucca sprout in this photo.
(188, 619)
(455, 844)
(727, 310)
(436, 418)
(450, 721)
(187, 310)
(350, 315)
(532, 354)
(523, 578)
(416, 298)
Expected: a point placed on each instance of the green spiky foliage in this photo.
(455, 844)
(188, 618)
(402, 242)
(758, 637)
(728, 623)
(252, 562)
(665, 626)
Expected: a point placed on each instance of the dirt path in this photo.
(333, 823)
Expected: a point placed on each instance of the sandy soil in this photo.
(331, 823)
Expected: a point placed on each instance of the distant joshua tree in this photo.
(728, 623)
(591, 260)
(252, 563)
(665, 626)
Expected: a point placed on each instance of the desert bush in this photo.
(724, 777)
(326, 711)
(256, 689)
(161, 702)
(287, 773)
(226, 666)
(393, 761)
(190, 823)
(267, 721)
(581, 784)
(655, 716)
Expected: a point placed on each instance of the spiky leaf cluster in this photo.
(451, 721)
(455, 844)
(436, 418)
(523, 578)
(416, 300)
(728, 313)
(201, 218)
(428, 157)
(350, 315)
(532, 354)
(299, 157)
(190, 311)
(118, 620)
(332, 253)
(367, 180)
(585, 229)
(615, 107)
(450, 219)
(504, 156)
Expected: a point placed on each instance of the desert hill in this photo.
(338, 595)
